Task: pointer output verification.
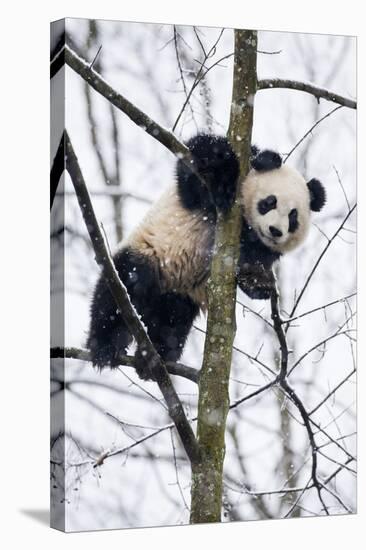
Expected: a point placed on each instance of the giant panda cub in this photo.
(165, 262)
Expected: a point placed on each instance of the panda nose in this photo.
(274, 231)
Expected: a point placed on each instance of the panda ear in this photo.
(317, 195)
(266, 160)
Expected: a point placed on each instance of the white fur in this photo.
(291, 191)
(179, 244)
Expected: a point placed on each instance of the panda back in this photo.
(178, 243)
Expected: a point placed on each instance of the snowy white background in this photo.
(265, 444)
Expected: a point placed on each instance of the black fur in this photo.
(317, 195)
(275, 232)
(167, 316)
(254, 152)
(216, 161)
(267, 204)
(266, 160)
(293, 222)
(253, 252)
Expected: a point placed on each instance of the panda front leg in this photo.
(218, 165)
(254, 273)
(256, 281)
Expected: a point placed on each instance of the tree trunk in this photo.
(213, 402)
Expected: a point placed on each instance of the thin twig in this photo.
(199, 76)
(176, 47)
(336, 472)
(332, 392)
(96, 56)
(305, 416)
(242, 352)
(309, 277)
(247, 308)
(339, 301)
(342, 187)
(253, 394)
(338, 332)
(269, 53)
(176, 472)
(310, 131)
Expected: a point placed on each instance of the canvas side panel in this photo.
(57, 254)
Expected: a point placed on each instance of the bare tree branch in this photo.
(177, 369)
(308, 87)
(137, 116)
(290, 392)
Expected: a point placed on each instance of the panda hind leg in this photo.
(108, 335)
(106, 352)
(168, 319)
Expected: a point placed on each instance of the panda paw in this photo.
(258, 293)
(107, 356)
(256, 281)
(142, 366)
(224, 195)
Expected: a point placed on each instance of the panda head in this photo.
(278, 201)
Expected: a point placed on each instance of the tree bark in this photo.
(213, 404)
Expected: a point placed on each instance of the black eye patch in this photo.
(267, 204)
(293, 222)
